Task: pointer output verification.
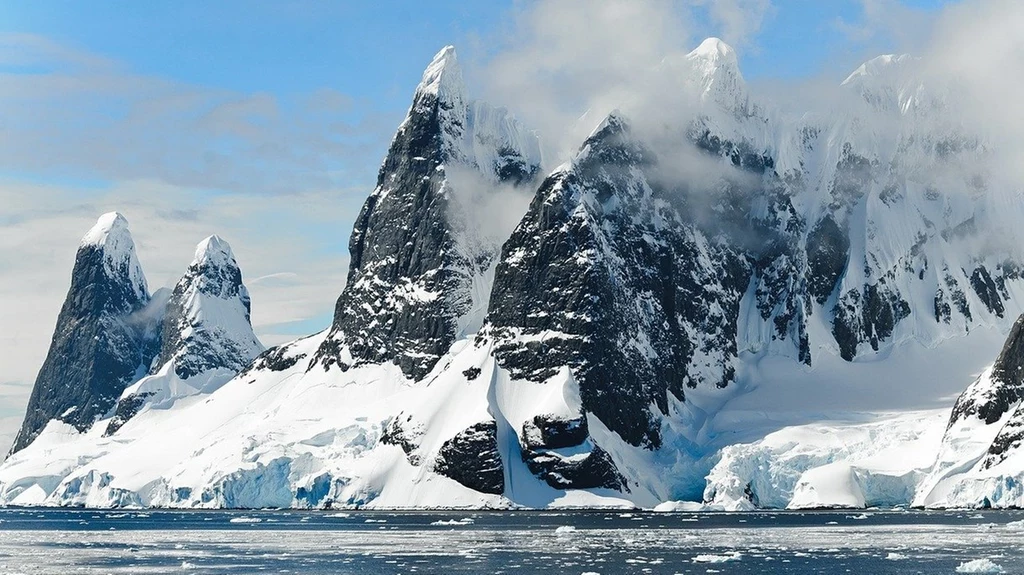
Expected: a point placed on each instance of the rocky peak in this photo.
(112, 241)
(409, 282)
(603, 276)
(101, 343)
(207, 325)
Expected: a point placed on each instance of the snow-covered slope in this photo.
(981, 463)
(728, 302)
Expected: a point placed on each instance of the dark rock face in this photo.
(1010, 439)
(551, 432)
(1006, 388)
(407, 281)
(635, 309)
(868, 316)
(854, 174)
(400, 431)
(277, 358)
(987, 291)
(543, 435)
(472, 458)
(102, 343)
(991, 400)
(828, 248)
(596, 470)
(127, 408)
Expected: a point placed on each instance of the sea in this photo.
(65, 541)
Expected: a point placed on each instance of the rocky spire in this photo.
(103, 339)
(408, 283)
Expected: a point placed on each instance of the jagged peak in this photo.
(715, 50)
(214, 250)
(613, 123)
(443, 76)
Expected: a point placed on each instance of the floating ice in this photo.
(980, 566)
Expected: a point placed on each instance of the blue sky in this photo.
(265, 122)
(376, 50)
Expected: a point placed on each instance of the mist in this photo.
(563, 65)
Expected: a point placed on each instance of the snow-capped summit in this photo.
(712, 72)
(111, 226)
(214, 250)
(895, 83)
(885, 66)
(111, 235)
(443, 76)
(207, 324)
(716, 51)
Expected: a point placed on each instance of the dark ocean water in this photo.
(36, 541)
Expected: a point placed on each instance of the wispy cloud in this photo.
(737, 21)
(68, 111)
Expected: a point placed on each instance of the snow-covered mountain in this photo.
(206, 335)
(662, 317)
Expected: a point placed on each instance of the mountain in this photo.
(412, 284)
(105, 335)
(719, 301)
(206, 338)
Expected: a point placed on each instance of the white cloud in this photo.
(565, 58)
(66, 111)
(737, 21)
(979, 45)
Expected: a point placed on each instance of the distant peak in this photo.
(879, 67)
(714, 49)
(443, 77)
(110, 224)
(214, 250)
